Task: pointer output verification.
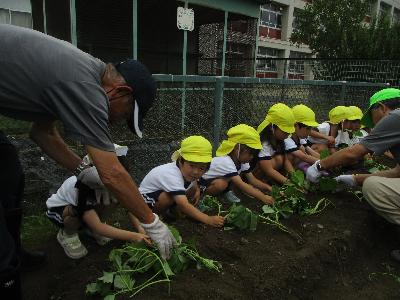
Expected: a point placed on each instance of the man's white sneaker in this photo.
(72, 245)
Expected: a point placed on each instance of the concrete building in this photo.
(16, 12)
(277, 21)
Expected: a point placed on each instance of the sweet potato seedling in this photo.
(136, 267)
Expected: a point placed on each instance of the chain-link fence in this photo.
(208, 106)
(352, 70)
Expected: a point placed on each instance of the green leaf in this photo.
(176, 234)
(92, 288)
(167, 269)
(109, 297)
(327, 184)
(373, 170)
(297, 177)
(107, 277)
(253, 222)
(268, 209)
(357, 133)
(324, 154)
(123, 281)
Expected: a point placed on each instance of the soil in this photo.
(337, 251)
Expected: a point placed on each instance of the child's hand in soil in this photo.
(216, 221)
(140, 237)
(268, 200)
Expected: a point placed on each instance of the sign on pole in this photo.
(185, 18)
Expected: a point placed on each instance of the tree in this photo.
(332, 29)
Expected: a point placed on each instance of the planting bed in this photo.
(337, 251)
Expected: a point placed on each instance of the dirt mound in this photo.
(333, 258)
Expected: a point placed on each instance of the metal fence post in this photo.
(218, 104)
(72, 16)
(343, 92)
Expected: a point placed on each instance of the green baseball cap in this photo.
(382, 95)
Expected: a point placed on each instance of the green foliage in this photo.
(327, 184)
(336, 29)
(373, 166)
(12, 126)
(36, 230)
(331, 28)
(358, 133)
(210, 203)
(324, 154)
(290, 198)
(241, 218)
(237, 216)
(136, 259)
(389, 272)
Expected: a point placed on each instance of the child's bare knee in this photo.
(217, 187)
(278, 161)
(71, 218)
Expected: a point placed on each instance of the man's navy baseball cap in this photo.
(138, 77)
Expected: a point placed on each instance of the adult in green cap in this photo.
(379, 105)
(380, 189)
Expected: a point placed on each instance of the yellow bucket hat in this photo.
(304, 115)
(194, 148)
(280, 115)
(338, 114)
(355, 113)
(240, 134)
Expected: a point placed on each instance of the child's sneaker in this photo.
(72, 245)
(231, 197)
(100, 240)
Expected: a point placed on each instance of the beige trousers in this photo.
(383, 194)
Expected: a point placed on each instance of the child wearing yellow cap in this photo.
(323, 137)
(168, 185)
(299, 154)
(357, 133)
(233, 159)
(344, 137)
(276, 127)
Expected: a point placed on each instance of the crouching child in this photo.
(166, 187)
(298, 152)
(233, 160)
(75, 206)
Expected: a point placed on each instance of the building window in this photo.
(267, 63)
(18, 18)
(396, 16)
(296, 65)
(295, 19)
(384, 9)
(271, 16)
(271, 21)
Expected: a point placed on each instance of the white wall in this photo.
(17, 5)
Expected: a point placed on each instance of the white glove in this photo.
(313, 174)
(347, 180)
(91, 178)
(160, 235)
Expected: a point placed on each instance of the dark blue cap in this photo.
(144, 88)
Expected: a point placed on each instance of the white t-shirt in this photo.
(223, 166)
(165, 178)
(342, 138)
(323, 128)
(356, 139)
(267, 152)
(67, 194)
